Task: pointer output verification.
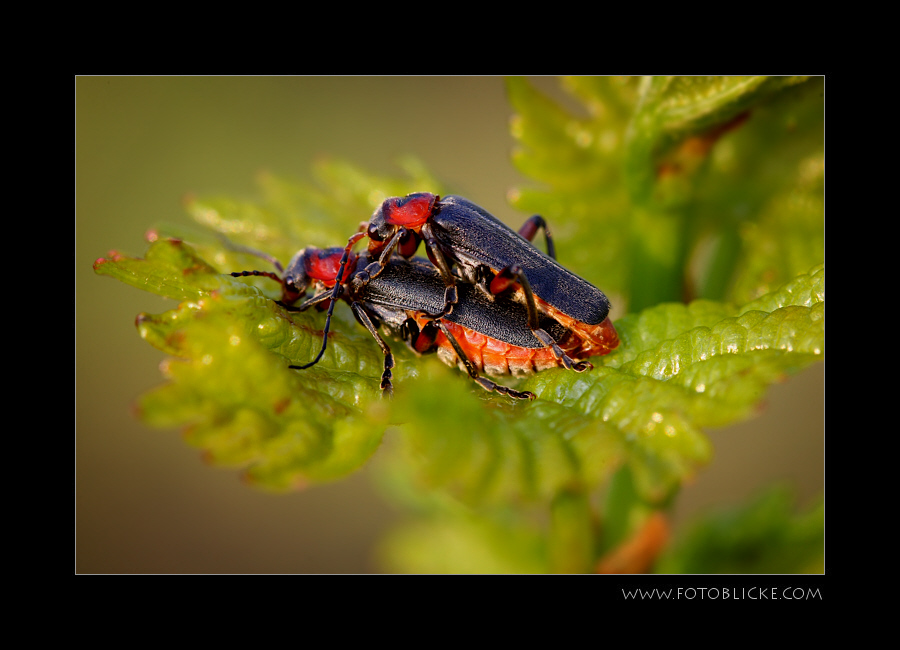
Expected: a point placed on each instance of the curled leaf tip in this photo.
(111, 256)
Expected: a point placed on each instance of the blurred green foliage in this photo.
(763, 536)
(697, 204)
(692, 187)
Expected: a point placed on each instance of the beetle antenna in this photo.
(263, 274)
(237, 248)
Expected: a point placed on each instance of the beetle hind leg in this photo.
(485, 383)
(490, 386)
(529, 230)
(514, 274)
(562, 357)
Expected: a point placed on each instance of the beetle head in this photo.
(296, 279)
(410, 211)
(315, 265)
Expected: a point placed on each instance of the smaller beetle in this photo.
(483, 334)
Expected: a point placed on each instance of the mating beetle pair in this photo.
(508, 309)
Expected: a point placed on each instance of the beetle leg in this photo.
(437, 258)
(420, 341)
(562, 357)
(361, 316)
(529, 230)
(315, 300)
(509, 276)
(487, 384)
(409, 331)
(483, 276)
(503, 281)
(374, 269)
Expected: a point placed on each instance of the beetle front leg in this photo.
(374, 269)
(514, 274)
(315, 300)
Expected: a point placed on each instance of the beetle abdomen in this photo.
(593, 340)
(492, 356)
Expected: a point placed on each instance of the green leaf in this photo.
(684, 186)
(762, 536)
(788, 236)
(679, 368)
(467, 544)
(672, 109)
(704, 225)
(578, 163)
(231, 387)
(174, 271)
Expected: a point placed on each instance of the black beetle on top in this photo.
(461, 236)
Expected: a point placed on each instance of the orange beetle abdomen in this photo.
(492, 356)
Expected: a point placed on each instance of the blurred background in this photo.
(145, 502)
